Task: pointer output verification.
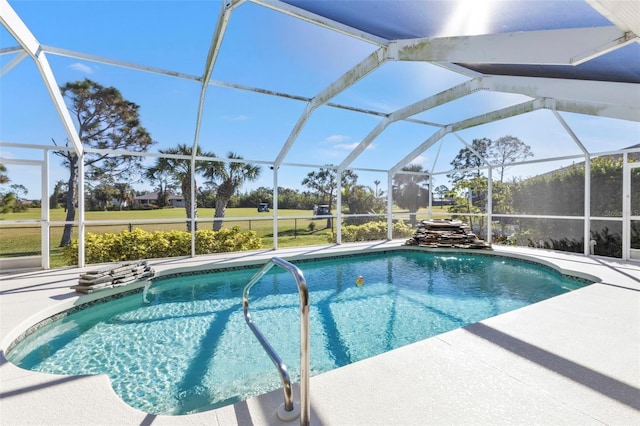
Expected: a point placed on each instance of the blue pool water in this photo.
(189, 350)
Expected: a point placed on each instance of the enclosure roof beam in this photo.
(10, 50)
(562, 47)
(500, 114)
(456, 92)
(625, 15)
(116, 62)
(13, 62)
(606, 99)
(470, 148)
(435, 160)
(620, 112)
(12, 22)
(570, 131)
(169, 73)
(322, 21)
(420, 149)
(366, 66)
(214, 50)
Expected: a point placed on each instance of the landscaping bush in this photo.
(139, 244)
(226, 240)
(371, 231)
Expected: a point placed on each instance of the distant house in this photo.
(152, 199)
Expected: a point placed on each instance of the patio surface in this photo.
(573, 359)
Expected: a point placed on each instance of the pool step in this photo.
(115, 276)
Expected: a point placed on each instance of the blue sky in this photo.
(263, 49)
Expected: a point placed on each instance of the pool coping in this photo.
(138, 287)
(337, 397)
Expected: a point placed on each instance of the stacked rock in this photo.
(115, 276)
(445, 234)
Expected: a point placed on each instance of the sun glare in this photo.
(470, 17)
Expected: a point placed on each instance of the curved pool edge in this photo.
(526, 257)
(50, 312)
(88, 399)
(77, 300)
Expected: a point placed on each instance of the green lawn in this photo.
(174, 213)
(24, 239)
(168, 213)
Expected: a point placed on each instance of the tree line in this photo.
(557, 193)
(106, 121)
(11, 201)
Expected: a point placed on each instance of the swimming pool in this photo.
(190, 350)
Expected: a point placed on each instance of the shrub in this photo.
(371, 231)
(139, 244)
(226, 240)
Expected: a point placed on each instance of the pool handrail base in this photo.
(288, 411)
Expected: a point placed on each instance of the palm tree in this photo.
(180, 171)
(376, 183)
(227, 177)
(411, 191)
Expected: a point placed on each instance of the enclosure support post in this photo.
(587, 205)
(275, 208)
(430, 216)
(586, 247)
(389, 206)
(490, 205)
(192, 225)
(45, 244)
(339, 207)
(626, 207)
(80, 186)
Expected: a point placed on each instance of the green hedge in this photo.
(139, 244)
(371, 231)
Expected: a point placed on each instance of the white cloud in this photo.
(338, 142)
(347, 146)
(77, 66)
(420, 160)
(337, 138)
(350, 146)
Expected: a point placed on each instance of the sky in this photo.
(268, 50)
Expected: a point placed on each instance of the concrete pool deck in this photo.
(573, 359)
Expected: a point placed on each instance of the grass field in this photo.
(302, 229)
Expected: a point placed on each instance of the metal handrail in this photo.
(289, 412)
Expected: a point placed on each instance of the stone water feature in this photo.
(443, 233)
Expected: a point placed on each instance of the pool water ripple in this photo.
(189, 350)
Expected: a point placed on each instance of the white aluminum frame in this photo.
(565, 46)
(627, 214)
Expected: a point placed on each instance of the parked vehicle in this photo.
(321, 210)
